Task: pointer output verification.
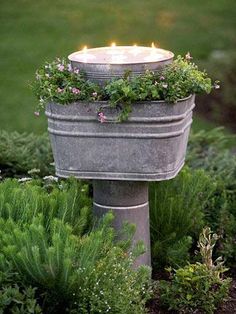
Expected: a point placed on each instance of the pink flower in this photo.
(60, 90)
(162, 78)
(102, 117)
(61, 67)
(36, 113)
(216, 86)
(75, 91)
(188, 56)
(94, 94)
(76, 71)
(165, 85)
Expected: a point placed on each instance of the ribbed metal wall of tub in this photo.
(150, 146)
(101, 73)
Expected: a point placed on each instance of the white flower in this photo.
(24, 179)
(34, 170)
(51, 178)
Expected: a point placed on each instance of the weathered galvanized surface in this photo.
(104, 71)
(150, 146)
(129, 202)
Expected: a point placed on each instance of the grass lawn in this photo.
(34, 31)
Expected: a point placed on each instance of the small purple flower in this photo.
(76, 71)
(162, 78)
(61, 67)
(75, 91)
(216, 86)
(94, 94)
(188, 56)
(60, 90)
(165, 85)
(36, 113)
(102, 117)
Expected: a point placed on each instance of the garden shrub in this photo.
(197, 287)
(15, 300)
(65, 200)
(15, 297)
(45, 236)
(87, 274)
(177, 215)
(209, 150)
(21, 152)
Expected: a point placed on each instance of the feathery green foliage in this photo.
(66, 200)
(177, 215)
(209, 150)
(20, 153)
(46, 236)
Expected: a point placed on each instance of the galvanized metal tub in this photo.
(100, 71)
(149, 146)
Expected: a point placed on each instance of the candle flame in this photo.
(135, 45)
(85, 49)
(153, 45)
(113, 44)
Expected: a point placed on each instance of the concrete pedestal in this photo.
(129, 202)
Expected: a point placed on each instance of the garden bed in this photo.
(156, 307)
(204, 191)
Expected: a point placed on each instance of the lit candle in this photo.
(114, 50)
(136, 50)
(85, 56)
(154, 54)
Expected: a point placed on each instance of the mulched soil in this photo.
(229, 307)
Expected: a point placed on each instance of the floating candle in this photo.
(85, 56)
